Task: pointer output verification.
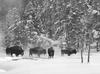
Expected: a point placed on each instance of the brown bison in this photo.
(51, 52)
(68, 51)
(37, 50)
(17, 50)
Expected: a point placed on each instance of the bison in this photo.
(68, 51)
(8, 51)
(17, 50)
(51, 52)
(37, 50)
(65, 52)
(73, 51)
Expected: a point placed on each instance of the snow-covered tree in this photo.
(32, 23)
(12, 18)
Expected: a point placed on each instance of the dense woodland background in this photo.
(43, 22)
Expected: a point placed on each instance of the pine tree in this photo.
(20, 34)
(31, 22)
(11, 19)
(29, 10)
(24, 30)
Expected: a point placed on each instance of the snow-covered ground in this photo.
(60, 65)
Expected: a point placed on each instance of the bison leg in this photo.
(38, 55)
(11, 54)
(49, 57)
(22, 53)
(68, 54)
(17, 55)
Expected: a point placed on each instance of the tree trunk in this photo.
(97, 46)
(50, 34)
(78, 45)
(82, 55)
(82, 52)
(89, 54)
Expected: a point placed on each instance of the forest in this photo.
(43, 22)
(49, 36)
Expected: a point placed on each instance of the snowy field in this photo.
(58, 65)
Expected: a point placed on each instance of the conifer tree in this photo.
(12, 18)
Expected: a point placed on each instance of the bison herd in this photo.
(17, 50)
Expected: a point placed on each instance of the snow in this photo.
(59, 64)
(94, 11)
(53, 42)
(95, 34)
